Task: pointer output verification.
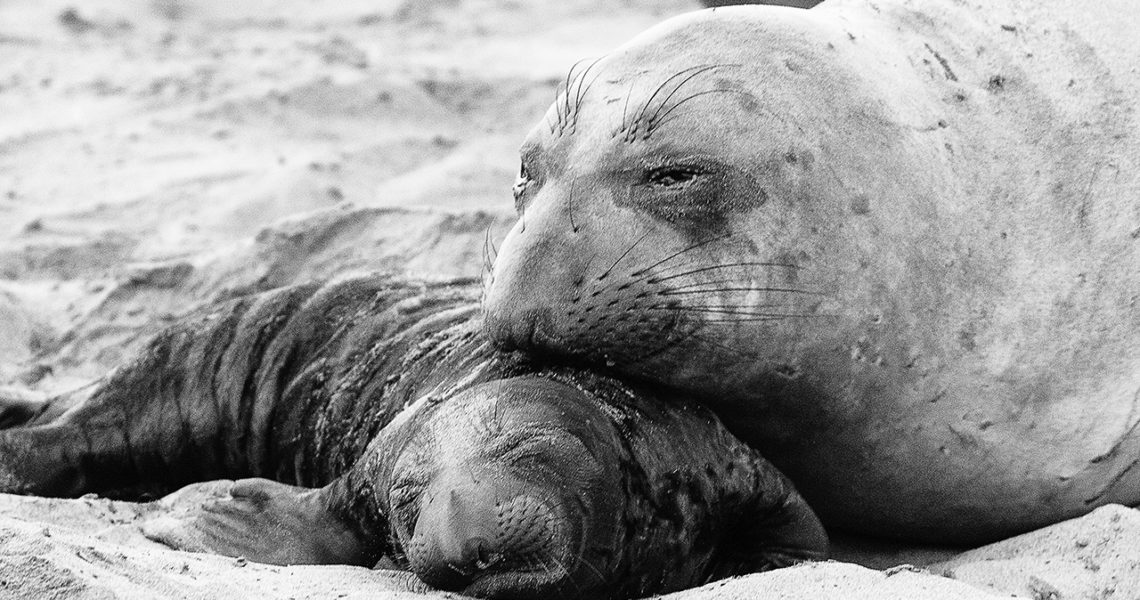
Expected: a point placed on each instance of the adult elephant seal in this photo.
(390, 429)
(895, 245)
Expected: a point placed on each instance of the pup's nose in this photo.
(451, 544)
(468, 532)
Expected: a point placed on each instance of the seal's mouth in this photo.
(537, 332)
(512, 330)
(533, 331)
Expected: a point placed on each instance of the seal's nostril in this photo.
(455, 541)
(480, 553)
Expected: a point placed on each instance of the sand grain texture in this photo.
(1091, 558)
(93, 549)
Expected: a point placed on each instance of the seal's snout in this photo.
(520, 321)
(533, 281)
(450, 545)
(466, 536)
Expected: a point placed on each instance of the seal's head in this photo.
(530, 487)
(801, 217)
(678, 201)
(498, 488)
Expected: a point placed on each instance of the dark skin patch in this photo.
(694, 192)
(743, 98)
(861, 205)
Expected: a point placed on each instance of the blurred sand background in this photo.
(156, 155)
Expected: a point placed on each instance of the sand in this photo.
(158, 155)
(92, 548)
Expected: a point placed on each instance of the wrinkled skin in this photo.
(369, 421)
(895, 245)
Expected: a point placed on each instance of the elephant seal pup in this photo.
(894, 244)
(373, 421)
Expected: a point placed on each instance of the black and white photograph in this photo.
(569, 299)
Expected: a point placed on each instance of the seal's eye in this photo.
(404, 492)
(521, 184)
(550, 454)
(673, 176)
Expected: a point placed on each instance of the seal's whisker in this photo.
(720, 282)
(677, 88)
(623, 255)
(568, 575)
(728, 321)
(625, 110)
(682, 73)
(566, 90)
(756, 312)
(732, 311)
(564, 108)
(562, 100)
(733, 307)
(656, 122)
(487, 260)
(680, 252)
(583, 88)
(637, 119)
(570, 210)
(556, 125)
(589, 261)
(495, 413)
(593, 569)
(667, 277)
(685, 290)
(546, 568)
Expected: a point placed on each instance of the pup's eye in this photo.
(403, 493)
(673, 176)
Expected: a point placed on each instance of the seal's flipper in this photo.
(259, 519)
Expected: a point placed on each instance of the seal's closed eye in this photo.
(673, 176)
(544, 451)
